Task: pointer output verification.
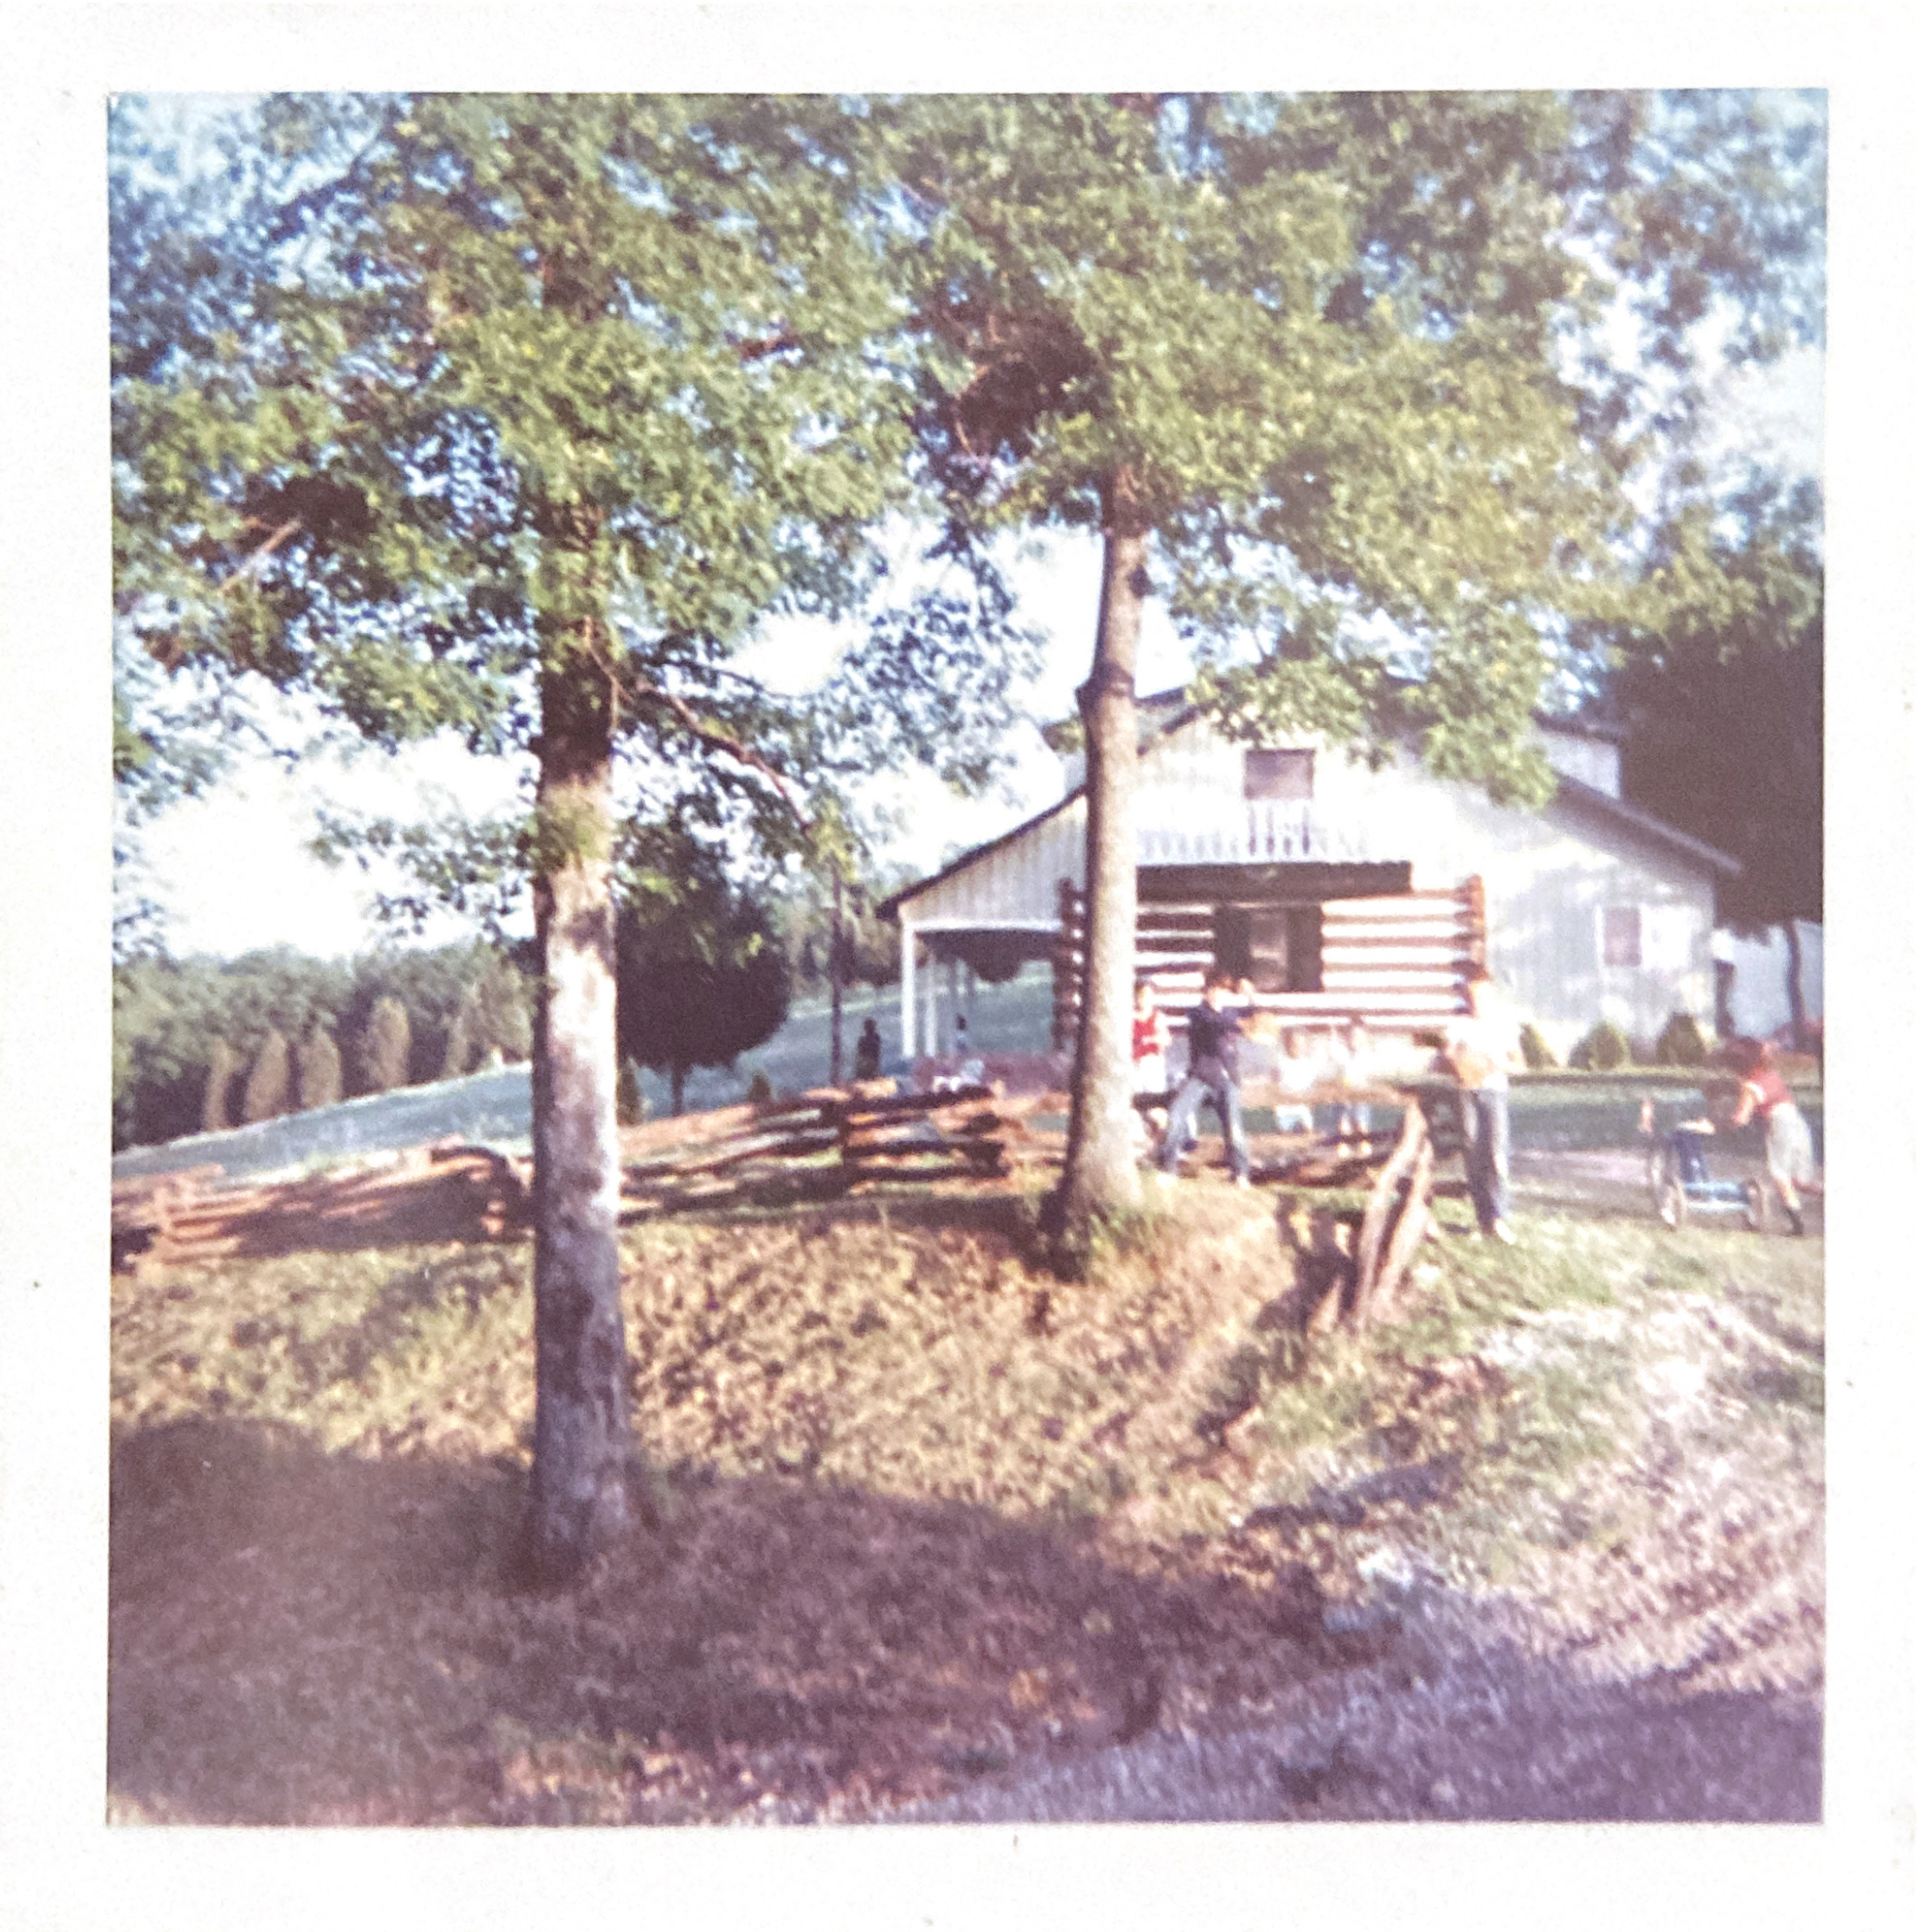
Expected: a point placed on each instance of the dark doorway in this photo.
(1278, 948)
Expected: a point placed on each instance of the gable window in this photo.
(1619, 936)
(1277, 774)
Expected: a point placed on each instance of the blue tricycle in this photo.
(1679, 1179)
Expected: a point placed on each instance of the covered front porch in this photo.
(1326, 934)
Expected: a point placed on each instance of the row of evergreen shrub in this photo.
(203, 1044)
(1681, 1043)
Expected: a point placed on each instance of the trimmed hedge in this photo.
(1602, 1050)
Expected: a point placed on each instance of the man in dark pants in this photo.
(1481, 1047)
(1215, 1028)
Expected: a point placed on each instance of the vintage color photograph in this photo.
(968, 958)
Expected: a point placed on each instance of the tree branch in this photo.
(257, 557)
(712, 739)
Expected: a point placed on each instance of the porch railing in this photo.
(1183, 826)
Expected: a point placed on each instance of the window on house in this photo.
(1277, 774)
(1619, 936)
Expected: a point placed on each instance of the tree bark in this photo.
(678, 1076)
(583, 1444)
(1100, 1163)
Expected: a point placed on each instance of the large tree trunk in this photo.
(583, 1443)
(1100, 1163)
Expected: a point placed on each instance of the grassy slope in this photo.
(922, 1517)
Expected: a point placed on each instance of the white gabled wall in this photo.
(1548, 876)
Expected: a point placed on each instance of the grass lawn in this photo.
(925, 1526)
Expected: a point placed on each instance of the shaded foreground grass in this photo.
(923, 1522)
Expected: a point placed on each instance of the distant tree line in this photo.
(203, 1044)
(866, 950)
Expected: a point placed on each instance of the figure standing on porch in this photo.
(868, 1051)
(1215, 1028)
(1480, 1047)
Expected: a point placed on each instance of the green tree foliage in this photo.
(464, 1048)
(319, 1072)
(1323, 370)
(701, 975)
(1724, 703)
(270, 1089)
(385, 1046)
(167, 1011)
(501, 1009)
(869, 952)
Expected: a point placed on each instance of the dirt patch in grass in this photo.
(931, 1532)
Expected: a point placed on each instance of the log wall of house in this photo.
(1397, 963)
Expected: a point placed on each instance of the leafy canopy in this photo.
(702, 974)
(1338, 356)
(428, 393)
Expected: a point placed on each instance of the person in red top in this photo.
(1790, 1144)
(1150, 1034)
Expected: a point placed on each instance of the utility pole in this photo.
(836, 980)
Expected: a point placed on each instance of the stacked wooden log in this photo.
(875, 1134)
(499, 1189)
(845, 1136)
(922, 1136)
(713, 1156)
(147, 1213)
(1396, 1218)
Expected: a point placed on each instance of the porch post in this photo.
(930, 1010)
(949, 1038)
(907, 988)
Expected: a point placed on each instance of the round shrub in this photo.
(318, 1072)
(1602, 1050)
(760, 1088)
(1533, 1050)
(270, 1091)
(1680, 1043)
(385, 1047)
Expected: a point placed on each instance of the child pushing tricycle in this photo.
(1677, 1169)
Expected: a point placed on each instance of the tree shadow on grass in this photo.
(305, 1638)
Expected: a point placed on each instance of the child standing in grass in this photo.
(1215, 1030)
(1789, 1141)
